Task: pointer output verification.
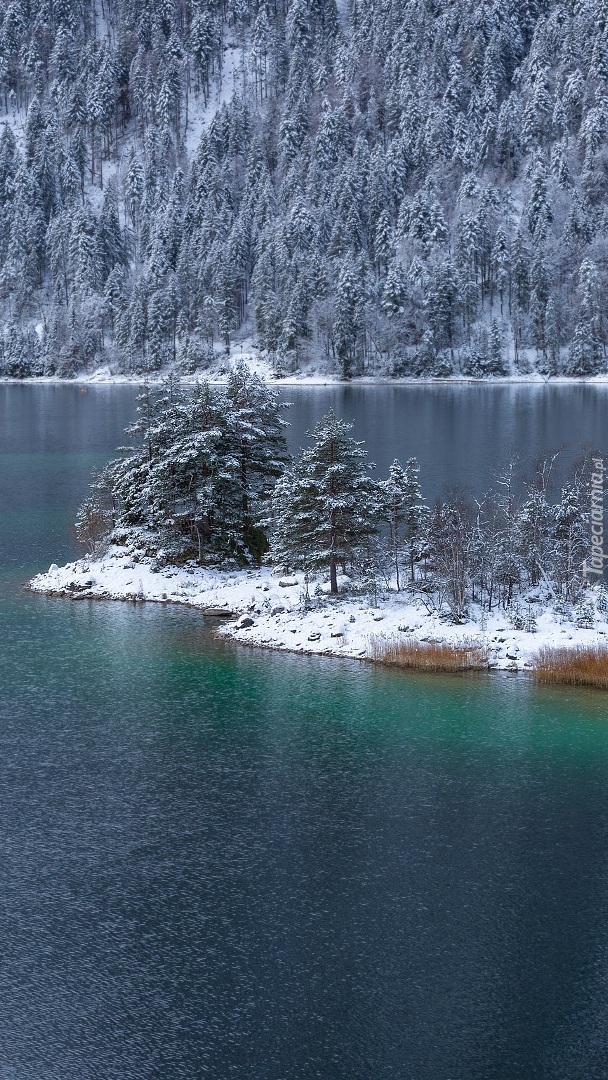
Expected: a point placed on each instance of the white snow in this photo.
(200, 117)
(276, 617)
(309, 376)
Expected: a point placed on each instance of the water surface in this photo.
(231, 863)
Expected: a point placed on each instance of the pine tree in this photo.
(326, 509)
(584, 616)
(570, 539)
(395, 290)
(496, 362)
(199, 481)
(255, 443)
(393, 494)
(450, 555)
(586, 349)
(348, 319)
(416, 514)
(405, 512)
(602, 601)
(534, 533)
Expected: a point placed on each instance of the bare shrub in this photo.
(93, 525)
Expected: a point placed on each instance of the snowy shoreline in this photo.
(104, 377)
(264, 608)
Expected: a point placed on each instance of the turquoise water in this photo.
(231, 863)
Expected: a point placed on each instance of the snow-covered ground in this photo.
(309, 376)
(315, 378)
(262, 607)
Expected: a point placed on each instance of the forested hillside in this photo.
(411, 187)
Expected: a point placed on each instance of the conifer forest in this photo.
(405, 187)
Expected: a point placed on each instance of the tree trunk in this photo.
(333, 575)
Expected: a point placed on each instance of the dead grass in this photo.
(468, 655)
(583, 665)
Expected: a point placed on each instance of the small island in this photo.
(318, 556)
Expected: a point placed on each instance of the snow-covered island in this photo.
(265, 608)
(208, 509)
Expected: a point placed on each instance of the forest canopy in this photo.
(406, 187)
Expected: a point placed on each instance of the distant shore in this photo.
(313, 380)
(218, 374)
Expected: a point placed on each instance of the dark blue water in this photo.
(230, 863)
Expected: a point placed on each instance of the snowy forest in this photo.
(210, 481)
(408, 187)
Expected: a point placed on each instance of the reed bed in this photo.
(467, 655)
(581, 665)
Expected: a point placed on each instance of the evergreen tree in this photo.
(393, 494)
(405, 512)
(326, 509)
(571, 535)
(200, 479)
(255, 444)
(586, 351)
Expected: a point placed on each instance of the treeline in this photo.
(407, 186)
(210, 480)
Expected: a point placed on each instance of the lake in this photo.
(225, 862)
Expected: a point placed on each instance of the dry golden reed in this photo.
(581, 665)
(467, 655)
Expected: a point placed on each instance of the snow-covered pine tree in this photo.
(534, 534)
(416, 515)
(255, 444)
(571, 539)
(326, 509)
(450, 554)
(586, 352)
(393, 497)
(199, 481)
(405, 512)
(584, 615)
(496, 364)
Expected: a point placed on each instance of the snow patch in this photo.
(266, 612)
